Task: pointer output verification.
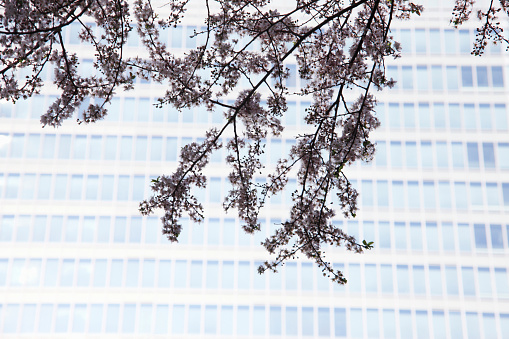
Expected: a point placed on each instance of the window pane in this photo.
(467, 275)
(466, 76)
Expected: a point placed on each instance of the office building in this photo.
(77, 259)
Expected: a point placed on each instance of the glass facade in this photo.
(76, 257)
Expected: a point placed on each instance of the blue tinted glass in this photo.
(450, 41)
(406, 41)
(129, 112)
(62, 318)
(439, 329)
(505, 193)
(129, 319)
(448, 237)
(275, 320)
(71, 229)
(435, 280)
(460, 192)
(339, 322)
(426, 154)
(424, 116)
(64, 146)
(110, 148)
(437, 81)
(429, 195)
(403, 279)
(370, 278)
(420, 41)
(212, 277)
(210, 326)
(473, 155)
(171, 149)
(100, 272)
(432, 236)
(51, 273)
(161, 319)
(454, 116)
(405, 323)
(132, 273)
(398, 194)
(439, 115)
(500, 117)
(394, 115)
(119, 233)
(103, 229)
(393, 73)
(457, 155)
(145, 323)
(421, 320)
(464, 237)
(384, 231)
(123, 188)
(497, 241)
(259, 320)
(451, 278)
(107, 187)
(413, 194)
(498, 76)
(422, 78)
(27, 318)
(79, 318)
(178, 319)
(243, 320)
(485, 280)
(488, 155)
(135, 230)
(84, 270)
(444, 194)
(12, 186)
(372, 323)
(116, 272)
(354, 278)
(419, 278)
(442, 155)
(452, 77)
(307, 276)
(164, 274)
(466, 76)
(464, 40)
(356, 323)
(147, 278)
(473, 325)
(381, 154)
(6, 227)
(112, 317)
(180, 279)
(455, 325)
(382, 193)
(409, 115)
(467, 276)
(367, 192)
(67, 273)
(400, 234)
(501, 282)
(411, 154)
(396, 154)
(196, 280)
(480, 236)
(45, 317)
(226, 320)
(407, 81)
(482, 76)
(389, 323)
(416, 236)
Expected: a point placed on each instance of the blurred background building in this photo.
(77, 259)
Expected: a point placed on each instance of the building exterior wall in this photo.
(76, 258)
